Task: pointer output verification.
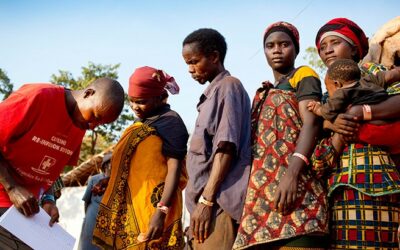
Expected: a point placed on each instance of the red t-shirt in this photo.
(37, 137)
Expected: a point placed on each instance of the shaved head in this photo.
(99, 103)
(110, 97)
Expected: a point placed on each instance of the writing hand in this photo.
(24, 201)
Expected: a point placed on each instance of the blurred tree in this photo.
(6, 87)
(102, 136)
(314, 61)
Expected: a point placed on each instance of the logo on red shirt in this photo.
(45, 165)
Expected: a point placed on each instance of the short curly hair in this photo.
(344, 70)
(208, 40)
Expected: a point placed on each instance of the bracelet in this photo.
(303, 157)
(367, 114)
(48, 197)
(205, 202)
(162, 207)
(161, 204)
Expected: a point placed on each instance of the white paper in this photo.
(35, 231)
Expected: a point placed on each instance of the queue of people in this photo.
(291, 170)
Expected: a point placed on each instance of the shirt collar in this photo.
(215, 83)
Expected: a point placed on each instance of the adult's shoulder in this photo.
(305, 71)
(307, 84)
(38, 90)
(304, 74)
(172, 115)
(231, 80)
(169, 119)
(39, 87)
(35, 94)
(230, 83)
(172, 130)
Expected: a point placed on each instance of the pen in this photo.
(41, 193)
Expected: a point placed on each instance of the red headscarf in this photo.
(288, 28)
(148, 82)
(349, 31)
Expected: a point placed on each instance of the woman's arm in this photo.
(386, 110)
(347, 124)
(171, 184)
(171, 181)
(392, 76)
(285, 194)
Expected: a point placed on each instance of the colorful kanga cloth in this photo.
(136, 184)
(364, 186)
(361, 221)
(374, 68)
(276, 127)
(367, 168)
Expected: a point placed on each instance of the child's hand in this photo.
(101, 186)
(317, 107)
(312, 106)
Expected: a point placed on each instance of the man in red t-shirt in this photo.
(41, 131)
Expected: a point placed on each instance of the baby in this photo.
(346, 88)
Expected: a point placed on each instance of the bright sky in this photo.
(40, 37)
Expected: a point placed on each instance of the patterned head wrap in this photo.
(288, 28)
(148, 82)
(347, 30)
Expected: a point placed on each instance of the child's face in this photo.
(330, 85)
(144, 107)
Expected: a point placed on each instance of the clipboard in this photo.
(35, 231)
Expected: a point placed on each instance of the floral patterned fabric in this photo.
(276, 127)
(136, 184)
